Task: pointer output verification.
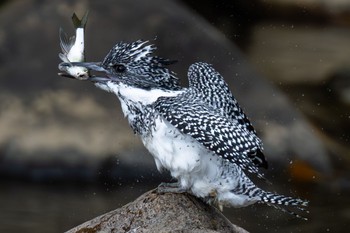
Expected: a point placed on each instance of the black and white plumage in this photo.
(210, 87)
(200, 133)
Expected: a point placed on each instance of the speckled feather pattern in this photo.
(200, 133)
(210, 87)
(226, 138)
(139, 63)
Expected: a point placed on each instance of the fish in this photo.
(73, 50)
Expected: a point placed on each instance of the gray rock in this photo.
(153, 212)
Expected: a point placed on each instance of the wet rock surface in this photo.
(153, 212)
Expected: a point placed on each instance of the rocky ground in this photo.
(154, 212)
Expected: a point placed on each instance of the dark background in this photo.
(67, 155)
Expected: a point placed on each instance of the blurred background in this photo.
(67, 155)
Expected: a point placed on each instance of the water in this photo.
(57, 208)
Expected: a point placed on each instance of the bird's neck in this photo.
(143, 96)
(137, 103)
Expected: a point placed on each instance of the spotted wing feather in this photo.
(226, 138)
(210, 87)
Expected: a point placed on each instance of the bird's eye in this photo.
(119, 68)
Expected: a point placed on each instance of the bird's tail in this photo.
(80, 23)
(279, 201)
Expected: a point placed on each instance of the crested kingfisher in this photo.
(198, 133)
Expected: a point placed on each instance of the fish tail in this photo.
(80, 23)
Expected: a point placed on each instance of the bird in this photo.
(198, 133)
(73, 49)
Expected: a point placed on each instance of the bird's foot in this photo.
(212, 200)
(170, 188)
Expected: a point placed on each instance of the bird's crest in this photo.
(124, 53)
(137, 59)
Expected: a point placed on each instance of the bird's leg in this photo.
(170, 188)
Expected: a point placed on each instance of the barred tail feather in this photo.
(276, 201)
(273, 198)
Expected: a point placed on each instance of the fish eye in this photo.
(119, 68)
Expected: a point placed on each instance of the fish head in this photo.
(72, 71)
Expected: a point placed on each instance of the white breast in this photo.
(185, 158)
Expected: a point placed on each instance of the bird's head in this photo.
(133, 64)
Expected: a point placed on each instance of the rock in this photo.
(153, 212)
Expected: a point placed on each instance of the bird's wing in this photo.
(66, 42)
(210, 87)
(226, 138)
